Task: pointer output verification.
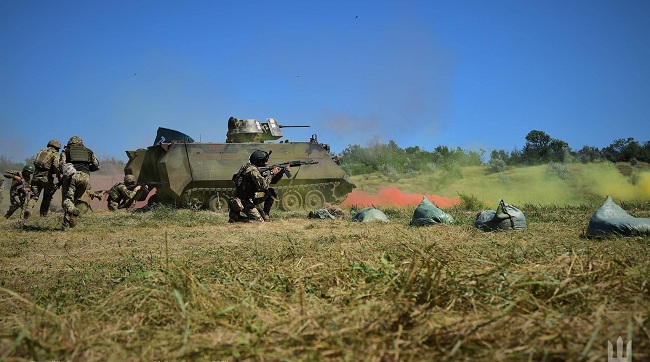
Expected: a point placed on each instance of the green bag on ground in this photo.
(320, 214)
(506, 217)
(370, 214)
(611, 220)
(429, 214)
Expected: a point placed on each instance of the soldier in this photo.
(249, 183)
(20, 190)
(75, 186)
(82, 158)
(47, 165)
(123, 195)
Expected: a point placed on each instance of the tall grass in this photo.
(184, 285)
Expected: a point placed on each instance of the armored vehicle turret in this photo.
(198, 175)
(252, 130)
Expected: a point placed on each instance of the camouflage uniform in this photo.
(82, 158)
(75, 185)
(19, 190)
(251, 188)
(120, 197)
(47, 165)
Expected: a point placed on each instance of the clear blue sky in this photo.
(474, 74)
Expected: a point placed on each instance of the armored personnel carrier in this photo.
(199, 175)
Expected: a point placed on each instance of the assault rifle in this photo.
(285, 164)
(141, 195)
(271, 192)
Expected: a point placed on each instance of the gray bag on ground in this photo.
(428, 214)
(506, 217)
(370, 214)
(320, 214)
(611, 220)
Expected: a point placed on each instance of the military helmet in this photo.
(259, 156)
(29, 167)
(129, 180)
(54, 143)
(74, 140)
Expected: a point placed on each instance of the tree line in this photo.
(540, 148)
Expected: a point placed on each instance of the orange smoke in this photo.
(392, 196)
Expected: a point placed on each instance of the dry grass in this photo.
(183, 285)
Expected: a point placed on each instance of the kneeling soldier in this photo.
(123, 195)
(249, 182)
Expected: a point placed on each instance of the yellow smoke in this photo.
(605, 180)
(644, 184)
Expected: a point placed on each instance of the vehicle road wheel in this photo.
(291, 201)
(314, 200)
(218, 203)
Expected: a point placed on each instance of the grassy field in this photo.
(186, 285)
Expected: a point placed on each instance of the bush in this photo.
(356, 168)
(389, 172)
(450, 171)
(470, 202)
(496, 165)
(558, 169)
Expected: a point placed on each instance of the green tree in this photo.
(622, 150)
(589, 154)
(541, 148)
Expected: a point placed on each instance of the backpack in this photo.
(43, 159)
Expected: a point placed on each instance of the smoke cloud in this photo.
(392, 196)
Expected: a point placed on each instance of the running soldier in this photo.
(20, 191)
(252, 188)
(83, 161)
(75, 186)
(82, 158)
(47, 166)
(123, 195)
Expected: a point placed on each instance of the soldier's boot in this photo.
(234, 216)
(70, 219)
(45, 206)
(236, 207)
(26, 214)
(254, 215)
(266, 212)
(11, 211)
(74, 218)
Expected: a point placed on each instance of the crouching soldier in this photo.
(20, 191)
(75, 186)
(252, 188)
(123, 195)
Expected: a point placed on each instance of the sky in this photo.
(470, 74)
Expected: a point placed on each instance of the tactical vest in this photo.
(79, 153)
(43, 159)
(80, 157)
(244, 181)
(238, 178)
